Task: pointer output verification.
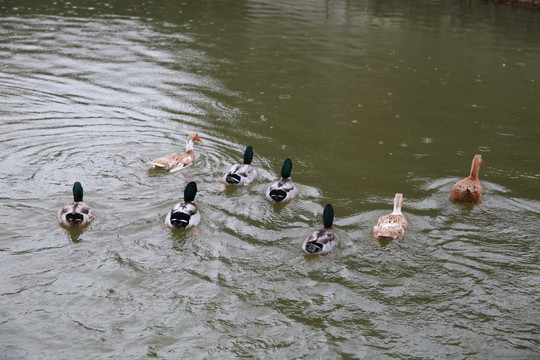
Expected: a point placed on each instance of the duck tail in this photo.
(390, 232)
(312, 247)
(278, 195)
(180, 220)
(232, 179)
(75, 218)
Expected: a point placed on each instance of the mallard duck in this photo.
(185, 214)
(284, 190)
(391, 226)
(469, 189)
(242, 174)
(175, 161)
(325, 239)
(76, 213)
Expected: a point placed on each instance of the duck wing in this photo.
(390, 226)
(167, 161)
(321, 241)
(181, 161)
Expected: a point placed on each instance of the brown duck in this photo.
(176, 161)
(469, 189)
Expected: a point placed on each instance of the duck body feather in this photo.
(281, 191)
(174, 161)
(321, 241)
(390, 227)
(467, 190)
(240, 175)
(183, 216)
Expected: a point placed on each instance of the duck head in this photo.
(190, 192)
(328, 216)
(77, 192)
(248, 155)
(286, 168)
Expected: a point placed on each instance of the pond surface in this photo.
(368, 98)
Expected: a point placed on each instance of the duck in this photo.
(469, 189)
(76, 214)
(242, 174)
(391, 226)
(185, 215)
(324, 240)
(283, 191)
(175, 161)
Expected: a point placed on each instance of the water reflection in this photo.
(75, 234)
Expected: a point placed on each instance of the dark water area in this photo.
(367, 98)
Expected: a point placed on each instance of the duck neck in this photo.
(190, 192)
(286, 169)
(475, 169)
(77, 192)
(328, 216)
(189, 145)
(248, 155)
(397, 205)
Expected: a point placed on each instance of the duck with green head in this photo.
(185, 214)
(325, 239)
(282, 191)
(76, 213)
(242, 174)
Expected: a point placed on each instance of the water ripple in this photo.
(94, 98)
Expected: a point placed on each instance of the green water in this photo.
(366, 98)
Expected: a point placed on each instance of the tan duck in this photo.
(391, 226)
(469, 189)
(175, 161)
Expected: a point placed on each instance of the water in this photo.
(367, 99)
